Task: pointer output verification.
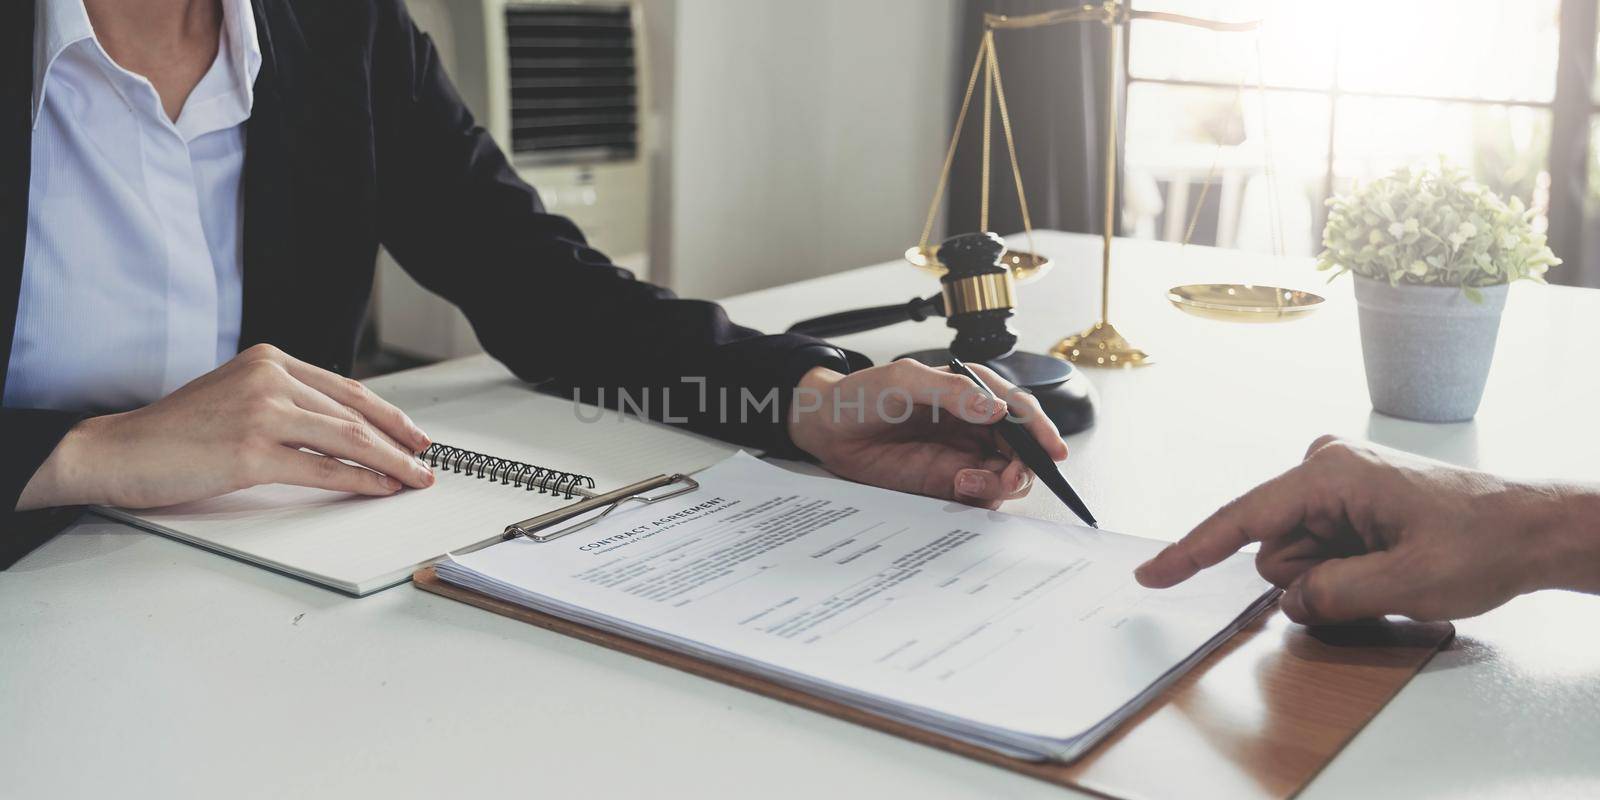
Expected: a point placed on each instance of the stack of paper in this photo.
(1026, 637)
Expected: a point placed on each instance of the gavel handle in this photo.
(866, 319)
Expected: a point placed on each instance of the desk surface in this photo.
(137, 666)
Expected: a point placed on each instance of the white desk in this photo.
(135, 666)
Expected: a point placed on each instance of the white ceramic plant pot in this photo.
(1427, 348)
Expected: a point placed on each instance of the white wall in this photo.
(806, 137)
(784, 139)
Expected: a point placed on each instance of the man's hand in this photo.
(1357, 531)
(242, 424)
(910, 427)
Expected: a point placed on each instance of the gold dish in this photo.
(1236, 302)
(1024, 266)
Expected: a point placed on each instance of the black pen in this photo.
(1030, 451)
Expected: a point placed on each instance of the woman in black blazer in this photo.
(356, 138)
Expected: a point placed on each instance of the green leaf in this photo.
(1456, 232)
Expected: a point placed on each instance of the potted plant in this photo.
(1432, 253)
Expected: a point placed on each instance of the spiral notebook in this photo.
(503, 454)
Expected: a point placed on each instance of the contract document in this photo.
(1026, 637)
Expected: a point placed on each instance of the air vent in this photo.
(574, 82)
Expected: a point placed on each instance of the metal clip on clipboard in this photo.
(541, 528)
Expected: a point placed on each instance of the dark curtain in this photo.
(1055, 85)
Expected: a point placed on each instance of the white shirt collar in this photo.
(60, 24)
(239, 25)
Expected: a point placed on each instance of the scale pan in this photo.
(1235, 302)
(1024, 266)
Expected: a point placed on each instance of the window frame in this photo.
(1572, 107)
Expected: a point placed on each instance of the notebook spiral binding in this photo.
(506, 471)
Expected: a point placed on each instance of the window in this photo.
(1246, 134)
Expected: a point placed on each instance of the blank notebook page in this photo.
(362, 544)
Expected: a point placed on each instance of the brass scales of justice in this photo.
(1101, 344)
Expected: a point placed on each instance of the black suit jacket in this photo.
(357, 138)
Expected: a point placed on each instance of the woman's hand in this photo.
(910, 427)
(242, 424)
(1358, 531)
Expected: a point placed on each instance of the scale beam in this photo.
(1110, 13)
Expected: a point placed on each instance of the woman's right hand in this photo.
(250, 421)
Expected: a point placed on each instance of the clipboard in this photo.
(1258, 718)
(576, 516)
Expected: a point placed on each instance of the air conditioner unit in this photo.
(561, 87)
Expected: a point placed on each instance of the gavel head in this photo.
(979, 296)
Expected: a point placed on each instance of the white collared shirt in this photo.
(132, 277)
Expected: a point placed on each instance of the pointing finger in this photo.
(1275, 508)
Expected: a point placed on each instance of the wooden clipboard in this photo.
(1257, 719)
